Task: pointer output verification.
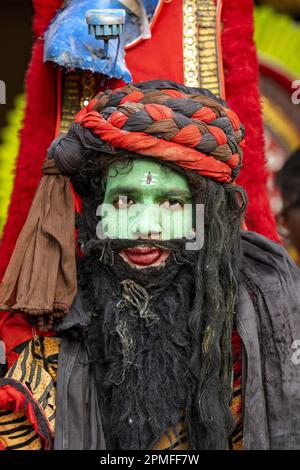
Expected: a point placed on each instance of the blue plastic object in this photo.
(69, 44)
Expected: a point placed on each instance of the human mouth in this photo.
(144, 256)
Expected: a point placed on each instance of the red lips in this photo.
(144, 256)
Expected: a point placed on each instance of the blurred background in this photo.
(277, 35)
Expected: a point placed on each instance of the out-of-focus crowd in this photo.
(288, 182)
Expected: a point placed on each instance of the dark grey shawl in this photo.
(268, 321)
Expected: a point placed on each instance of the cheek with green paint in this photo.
(146, 200)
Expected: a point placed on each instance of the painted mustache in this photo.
(141, 253)
(117, 245)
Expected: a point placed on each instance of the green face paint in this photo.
(146, 200)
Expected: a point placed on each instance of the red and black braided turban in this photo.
(161, 119)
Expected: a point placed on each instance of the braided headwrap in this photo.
(156, 119)
(160, 119)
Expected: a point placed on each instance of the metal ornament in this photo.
(105, 25)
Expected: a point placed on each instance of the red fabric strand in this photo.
(174, 93)
(118, 119)
(132, 98)
(218, 134)
(157, 112)
(234, 119)
(242, 94)
(204, 114)
(188, 135)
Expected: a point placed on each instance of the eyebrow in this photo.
(175, 193)
(122, 190)
(164, 193)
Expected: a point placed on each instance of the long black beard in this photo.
(140, 342)
(213, 289)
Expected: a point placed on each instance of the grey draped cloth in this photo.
(268, 321)
(78, 418)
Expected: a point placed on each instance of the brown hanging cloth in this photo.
(40, 279)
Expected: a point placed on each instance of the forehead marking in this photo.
(149, 179)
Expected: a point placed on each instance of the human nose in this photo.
(146, 223)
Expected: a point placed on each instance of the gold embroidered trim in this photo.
(70, 100)
(88, 86)
(190, 43)
(77, 90)
(200, 49)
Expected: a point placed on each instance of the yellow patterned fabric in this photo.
(236, 440)
(35, 370)
(17, 433)
(174, 440)
(180, 442)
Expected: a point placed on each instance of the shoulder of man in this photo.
(264, 259)
(268, 317)
(271, 277)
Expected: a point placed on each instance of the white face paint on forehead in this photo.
(150, 179)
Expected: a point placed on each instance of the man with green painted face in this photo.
(148, 202)
(181, 331)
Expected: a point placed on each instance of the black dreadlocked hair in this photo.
(216, 274)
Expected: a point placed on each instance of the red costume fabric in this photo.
(242, 95)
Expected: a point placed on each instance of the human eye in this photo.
(172, 204)
(122, 202)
